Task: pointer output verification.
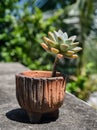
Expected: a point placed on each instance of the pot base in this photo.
(36, 117)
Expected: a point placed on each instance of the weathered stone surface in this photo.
(74, 114)
(10, 68)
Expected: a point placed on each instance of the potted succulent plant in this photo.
(40, 92)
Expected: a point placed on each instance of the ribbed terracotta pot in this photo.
(37, 92)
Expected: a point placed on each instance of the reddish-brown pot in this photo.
(37, 92)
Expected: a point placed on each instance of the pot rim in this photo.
(21, 74)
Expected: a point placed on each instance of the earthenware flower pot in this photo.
(37, 93)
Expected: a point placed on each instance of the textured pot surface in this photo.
(37, 91)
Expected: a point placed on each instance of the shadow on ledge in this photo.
(20, 115)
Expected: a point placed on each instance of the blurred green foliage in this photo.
(21, 34)
(78, 87)
(22, 26)
(83, 86)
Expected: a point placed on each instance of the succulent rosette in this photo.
(60, 44)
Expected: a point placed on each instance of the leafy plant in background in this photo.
(20, 36)
(89, 56)
(82, 86)
(78, 88)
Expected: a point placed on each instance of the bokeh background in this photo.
(23, 23)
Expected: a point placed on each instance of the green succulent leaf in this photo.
(74, 44)
(71, 56)
(65, 36)
(51, 36)
(64, 47)
(69, 53)
(60, 32)
(45, 46)
(54, 50)
(72, 38)
(74, 56)
(48, 41)
(62, 35)
(56, 35)
(68, 41)
(60, 40)
(77, 49)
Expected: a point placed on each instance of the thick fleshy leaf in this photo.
(68, 41)
(72, 38)
(77, 49)
(65, 35)
(60, 56)
(69, 53)
(74, 44)
(56, 35)
(61, 34)
(54, 50)
(51, 36)
(60, 39)
(45, 46)
(60, 31)
(74, 56)
(64, 47)
(48, 41)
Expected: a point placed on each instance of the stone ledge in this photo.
(75, 114)
(10, 68)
